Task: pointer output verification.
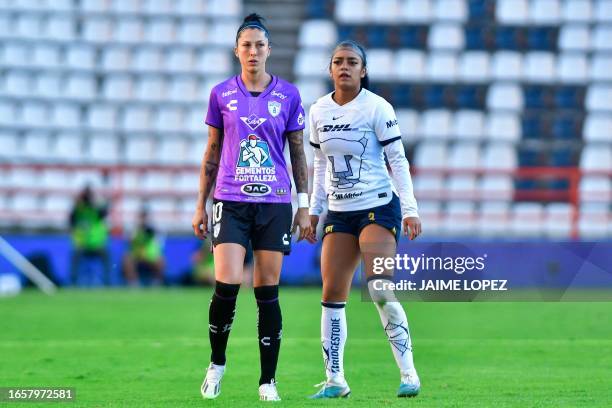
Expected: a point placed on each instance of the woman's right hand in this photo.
(199, 223)
(314, 221)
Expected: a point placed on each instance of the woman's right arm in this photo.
(208, 175)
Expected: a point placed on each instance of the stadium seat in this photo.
(384, 11)
(224, 8)
(503, 127)
(601, 68)
(493, 219)
(9, 146)
(68, 147)
(192, 7)
(544, 12)
(577, 11)
(431, 215)
(158, 7)
(136, 118)
(160, 31)
(468, 125)
(594, 189)
(26, 206)
(102, 148)
(598, 128)
(463, 155)
(169, 119)
(156, 181)
(352, 11)
(505, 96)
(599, 98)
(566, 127)
(459, 218)
(573, 68)
(436, 124)
(66, 115)
(126, 7)
(195, 121)
(460, 187)
(163, 211)
(172, 151)
(80, 56)
(430, 155)
(507, 66)
(499, 156)
(596, 157)
(60, 27)
(527, 219)
(540, 67)
(380, 64)
(450, 10)
(496, 187)
(594, 220)
(48, 85)
(223, 33)
(603, 11)
(575, 38)
(310, 90)
(442, 67)
(85, 177)
(416, 11)
(474, 66)
(129, 30)
(81, 87)
(97, 30)
(16, 55)
(8, 113)
(36, 146)
(101, 117)
(557, 220)
(46, 56)
(193, 32)
(196, 150)
(95, 6)
(57, 209)
(139, 150)
(180, 60)
(148, 59)
(214, 62)
(116, 58)
(601, 38)
(28, 26)
(446, 37)
(512, 12)
(409, 124)
(17, 83)
(151, 88)
(22, 177)
(35, 115)
(183, 89)
(56, 179)
(409, 65)
(309, 62)
(428, 186)
(318, 33)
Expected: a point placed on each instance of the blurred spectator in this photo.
(89, 234)
(144, 262)
(203, 266)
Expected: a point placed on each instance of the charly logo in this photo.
(274, 107)
(232, 105)
(256, 189)
(279, 95)
(253, 121)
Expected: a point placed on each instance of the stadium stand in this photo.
(490, 96)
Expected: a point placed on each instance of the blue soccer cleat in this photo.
(332, 389)
(409, 385)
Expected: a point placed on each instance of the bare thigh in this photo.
(376, 242)
(267, 269)
(339, 259)
(229, 260)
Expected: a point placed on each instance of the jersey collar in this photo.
(265, 92)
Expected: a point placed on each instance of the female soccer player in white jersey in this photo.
(250, 117)
(350, 129)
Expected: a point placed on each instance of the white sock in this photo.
(333, 339)
(395, 324)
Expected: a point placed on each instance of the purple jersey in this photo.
(252, 164)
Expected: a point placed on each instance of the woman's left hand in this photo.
(302, 221)
(412, 227)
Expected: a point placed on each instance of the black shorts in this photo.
(267, 226)
(352, 222)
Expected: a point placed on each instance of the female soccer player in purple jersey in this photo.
(250, 117)
(351, 129)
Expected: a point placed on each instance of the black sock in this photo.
(270, 328)
(220, 318)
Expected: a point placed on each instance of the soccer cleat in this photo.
(332, 388)
(268, 392)
(409, 385)
(211, 387)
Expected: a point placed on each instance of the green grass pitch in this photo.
(150, 348)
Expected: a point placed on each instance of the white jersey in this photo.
(352, 140)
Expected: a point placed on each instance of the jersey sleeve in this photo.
(314, 134)
(296, 118)
(385, 123)
(319, 194)
(214, 117)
